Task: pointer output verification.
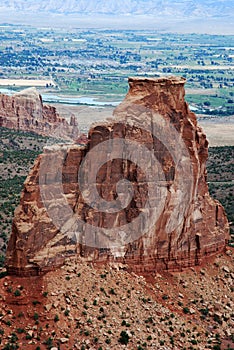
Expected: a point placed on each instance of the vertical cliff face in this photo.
(25, 111)
(136, 193)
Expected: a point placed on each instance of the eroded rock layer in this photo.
(165, 219)
(25, 111)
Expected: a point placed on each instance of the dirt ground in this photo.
(25, 82)
(219, 131)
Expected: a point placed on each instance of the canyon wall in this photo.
(25, 111)
(135, 194)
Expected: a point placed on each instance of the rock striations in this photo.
(25, 111)
(167, 220)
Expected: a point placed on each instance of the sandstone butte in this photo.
(190, 227)
(25, 111)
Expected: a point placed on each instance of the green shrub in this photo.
(124, 338)
(112, 291)
(186, 310)
(204, 312)
(17, 293)
(49, 343)
(66, 312)
(216, 347)
(36, 316)
(56, 318)
(20, 330)
(28, 337)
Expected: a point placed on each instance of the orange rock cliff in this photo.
(25, 111)
(167, 220)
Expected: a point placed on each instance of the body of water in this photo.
(90, 101)
(50, 98)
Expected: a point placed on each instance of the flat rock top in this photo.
(172, 80)
(28, 93)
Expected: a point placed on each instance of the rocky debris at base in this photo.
(93, 307)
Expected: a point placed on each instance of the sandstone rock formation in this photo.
(25, 111)
(165, 219)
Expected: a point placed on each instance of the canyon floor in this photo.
(219, 130)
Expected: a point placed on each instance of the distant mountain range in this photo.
(167, 8)
(183, 16)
